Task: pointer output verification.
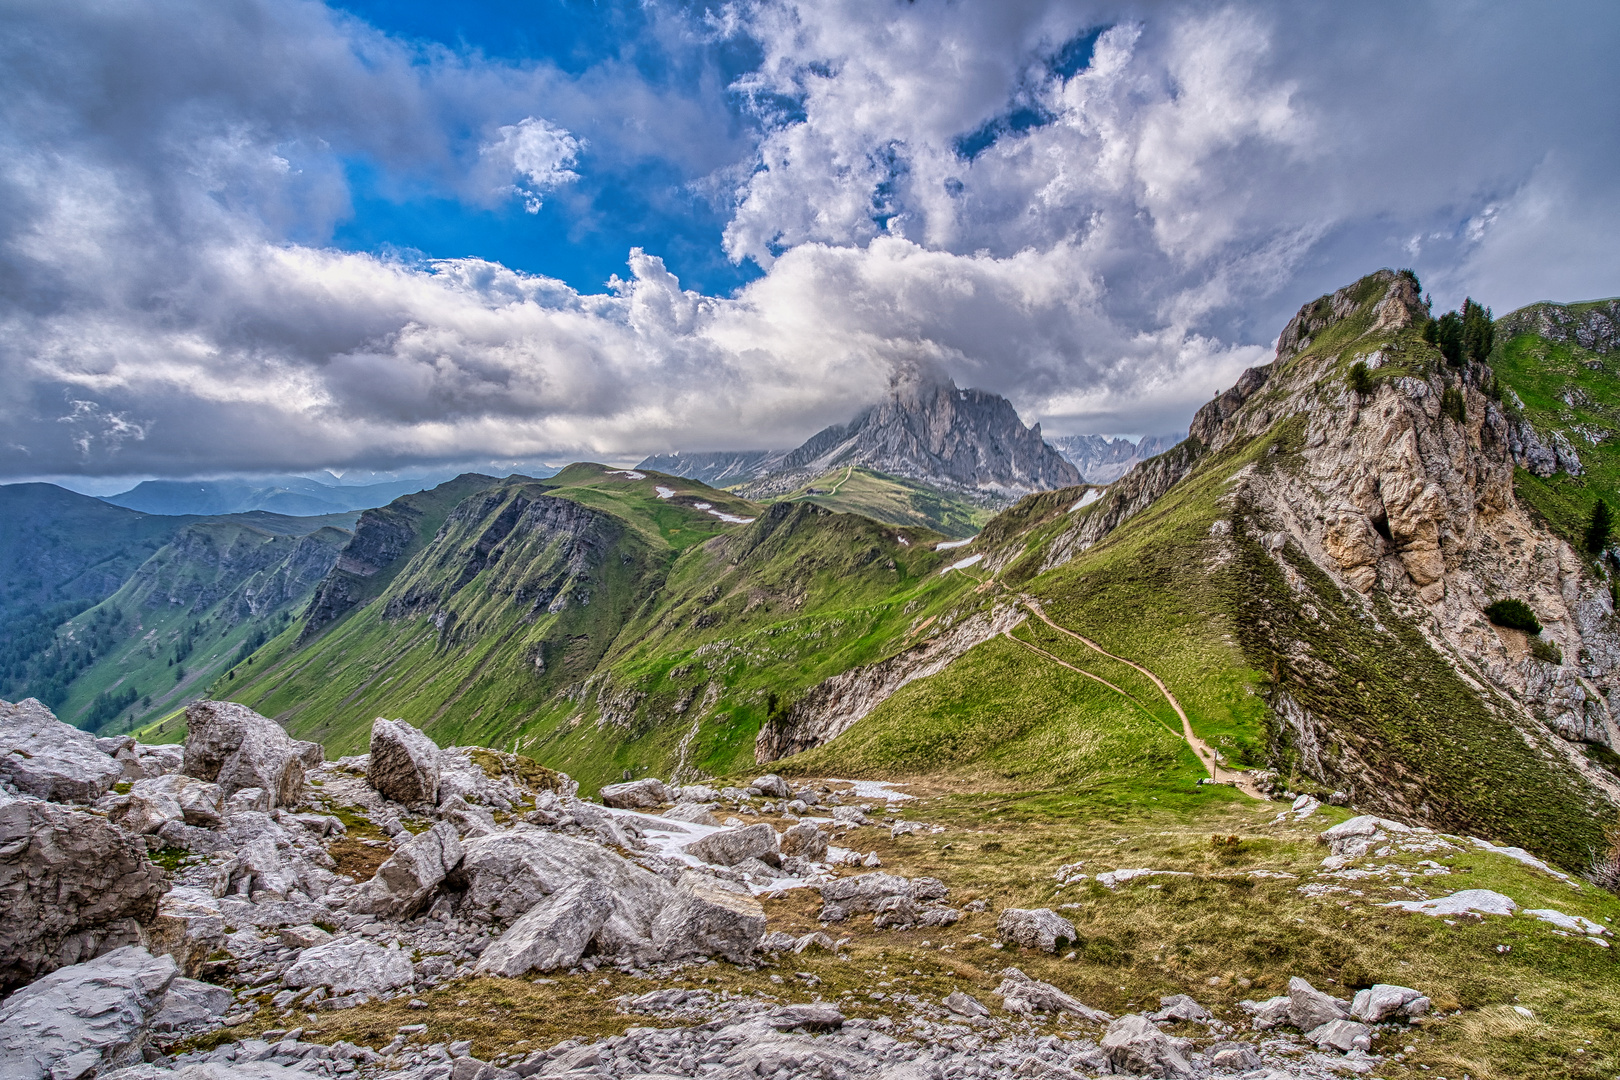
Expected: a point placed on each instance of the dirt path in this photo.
(1126, 694)
(847, 474)
(1205, 753)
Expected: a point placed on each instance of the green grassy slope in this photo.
(592, 618)
(892, 499)
(1233, 641)
(201, 602)
(1565, 388)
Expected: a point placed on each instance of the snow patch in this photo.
(732, 519)
(964, 563)
(947, 545)
(664, 492)
(1086, 500)
(874, 789)
(628, 474)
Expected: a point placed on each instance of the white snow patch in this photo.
(731, 518)
(664, 492)
(963, 564)
(947, 545)
(702, 506)
(628, 474)
(874, 789)
(1482, 901)
(1086, 500)
(669, 837)
(903, 541)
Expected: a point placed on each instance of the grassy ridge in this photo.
(680, 628)
(895, 500)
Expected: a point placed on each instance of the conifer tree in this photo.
(1478, 331)
(1598, 529)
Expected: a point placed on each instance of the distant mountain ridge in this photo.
(970, 442)
(1102, 460)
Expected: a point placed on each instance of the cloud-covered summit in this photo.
(1102, 211)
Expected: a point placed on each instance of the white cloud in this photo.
(540, 152)
(1108, 255)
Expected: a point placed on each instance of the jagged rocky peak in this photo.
(1102, 460)
(930, 430)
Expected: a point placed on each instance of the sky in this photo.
(282, 235)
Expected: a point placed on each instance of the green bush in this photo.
(1515, 615)
(1360, 379)
(1451, 404)
(1546, 651)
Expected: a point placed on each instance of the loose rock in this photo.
(403, 764)
(233, 746)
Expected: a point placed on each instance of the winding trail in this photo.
(1204, 752)
(1126, 694)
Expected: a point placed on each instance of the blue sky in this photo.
(281, 235)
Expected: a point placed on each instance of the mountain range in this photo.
(1315, 570)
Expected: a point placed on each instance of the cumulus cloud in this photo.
(1103, 211)
(540, 152)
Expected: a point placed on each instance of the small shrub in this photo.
(1546, 651)
(1515, 615)
(1360, 379)
(1451, 404)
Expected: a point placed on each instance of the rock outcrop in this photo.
(80, 1020)
(403, 764)
(233, 746)
(72, 886)
(45, 758)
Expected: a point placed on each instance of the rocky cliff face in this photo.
(1402, 497)
(967, 441)
(1594, 325)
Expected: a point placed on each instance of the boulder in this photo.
(635, 794)
(83, 1019)
(1273, 1012)
(45, 758)
(233, 746)
(351, 966)
(896, 913)
(253, 800)
(729, 847)
(1180, 1007)
(712, 918)
(1383, 1001)
(1310, 1008)
(201, 804)
(404, 763)
(189, 927)
(408, 877)
(505, 875)
(1133, 1045)
(1022, 994)
(1342, 1035)
(815, 1016)
(695, 793)
(1233, 1057)
(963, 1004)
(862, 892)
(72, 886)
(552, 934)
(143, 812)
(805, 841)
(772, 786)
(191, 1006)
(1036, 928)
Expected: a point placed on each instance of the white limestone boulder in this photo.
(233, 746)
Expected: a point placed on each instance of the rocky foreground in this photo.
(164, 902)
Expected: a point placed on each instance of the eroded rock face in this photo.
(1134, 1045)
(88, 1017)
(552, 934)
(233, 746)
(72, 886)
(403, 764)
(45, 758)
